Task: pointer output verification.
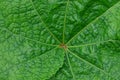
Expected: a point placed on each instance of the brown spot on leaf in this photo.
(63, 46)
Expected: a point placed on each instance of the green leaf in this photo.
(59, 39)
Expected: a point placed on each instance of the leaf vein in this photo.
(64, 27)
(26, 37)
(44, 22)
(70, 66)
(89, 44)
(88, 25)
(87, 62)
(22, 62)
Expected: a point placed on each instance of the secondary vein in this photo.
(87, 26)
(87, 62)
(70, 66)
(44, 23)
(89, 44)
(22, 62)
(27, 37)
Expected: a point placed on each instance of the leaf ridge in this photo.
(44, 23)
(88, 25)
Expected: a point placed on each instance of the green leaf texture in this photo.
(59, 40)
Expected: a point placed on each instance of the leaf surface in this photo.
(59, 39)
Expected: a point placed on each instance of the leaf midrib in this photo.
(65, 17)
